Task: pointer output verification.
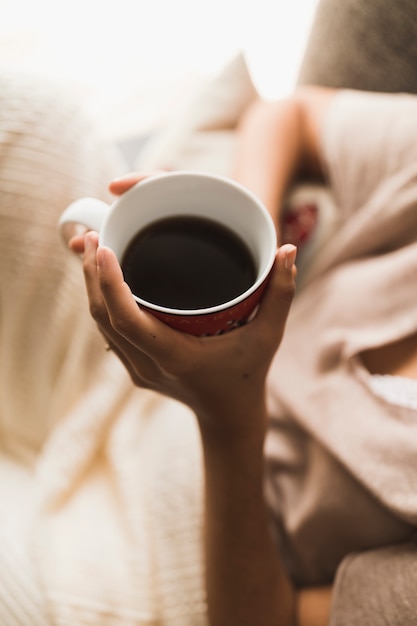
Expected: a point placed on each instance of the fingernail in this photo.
(87, 241)
(290, 258)
(101, 257)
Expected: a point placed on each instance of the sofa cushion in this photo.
(363, 44)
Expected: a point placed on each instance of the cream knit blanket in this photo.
(91, 530)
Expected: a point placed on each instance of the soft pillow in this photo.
(363, 44)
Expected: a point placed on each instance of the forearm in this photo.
(270, 151)
(246, 583)
(280, 141)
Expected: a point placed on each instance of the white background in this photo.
(133, 60)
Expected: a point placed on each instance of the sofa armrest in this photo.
(362, 44)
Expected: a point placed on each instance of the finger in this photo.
(138, 327)
(71, 230)
(139, 366)
(141, 369)
(95, 297)
(118, 186)
(279, 295)
(96, 300)
(76, 244)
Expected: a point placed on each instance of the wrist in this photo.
(234, 428)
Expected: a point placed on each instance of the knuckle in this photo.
(87, 268)
(98, 313)
(120, 324)
(287, 292)
(106, 283)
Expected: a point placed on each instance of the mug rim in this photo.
(218, 308)
(229, 303)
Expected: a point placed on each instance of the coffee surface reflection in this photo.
(187, 262)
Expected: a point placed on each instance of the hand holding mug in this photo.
(222, 377)
(196, 249)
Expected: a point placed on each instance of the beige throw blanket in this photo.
(91, 530)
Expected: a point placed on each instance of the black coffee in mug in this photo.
(188, 262)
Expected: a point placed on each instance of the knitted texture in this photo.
(49, 347)
(21, 603)
(114, 473)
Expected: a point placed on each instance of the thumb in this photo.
(279, 295)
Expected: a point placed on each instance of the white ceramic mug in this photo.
(187, 193)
